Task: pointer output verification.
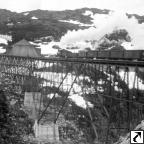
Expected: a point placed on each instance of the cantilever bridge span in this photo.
(114, 86)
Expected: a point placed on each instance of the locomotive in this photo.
(104, 54)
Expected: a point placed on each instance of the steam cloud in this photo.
(106, 24)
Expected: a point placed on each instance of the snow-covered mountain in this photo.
(79, 29)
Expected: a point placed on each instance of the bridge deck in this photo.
(82, 60)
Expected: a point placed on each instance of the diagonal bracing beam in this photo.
(52, 99)
(65, 101)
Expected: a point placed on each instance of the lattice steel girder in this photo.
(27, 66)
(28, 61)
(113, 84)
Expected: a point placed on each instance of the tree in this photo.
(118, 35)
(4, 120)
(14, 122)
(114, 40)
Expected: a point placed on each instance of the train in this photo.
(104, 54)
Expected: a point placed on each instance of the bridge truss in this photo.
(112, 89)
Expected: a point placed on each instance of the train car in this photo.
(134, 54)
(74, 55)
(142, 55)
(82, 54)
(64, 53)
(116, 54)
(92, 54)
(104, 54)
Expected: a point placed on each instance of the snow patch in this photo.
(34, 18)
(76, 91)
(3, 41)
(51, 95)
(100, 82)
(77, 23)
(79, 100)
(131, 79)
(48, 48)
(26, 14)
(10, 24)
(5, 38)
(2, 50)
(87, 13)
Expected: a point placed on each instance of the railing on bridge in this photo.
(112, 90)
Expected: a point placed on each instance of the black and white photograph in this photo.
(71, 71)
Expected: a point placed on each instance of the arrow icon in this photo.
(138, 135)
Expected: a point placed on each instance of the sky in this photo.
(131, 6)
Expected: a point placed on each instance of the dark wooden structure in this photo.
(23, 48)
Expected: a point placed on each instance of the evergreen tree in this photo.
(4, 120)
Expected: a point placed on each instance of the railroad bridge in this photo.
(114, 86)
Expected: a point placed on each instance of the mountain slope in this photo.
(40, 23)
(77, 14)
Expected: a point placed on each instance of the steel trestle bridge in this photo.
(114, 86)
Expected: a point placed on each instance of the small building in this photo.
(23, 48)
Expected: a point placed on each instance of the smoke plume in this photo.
(105, 24)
